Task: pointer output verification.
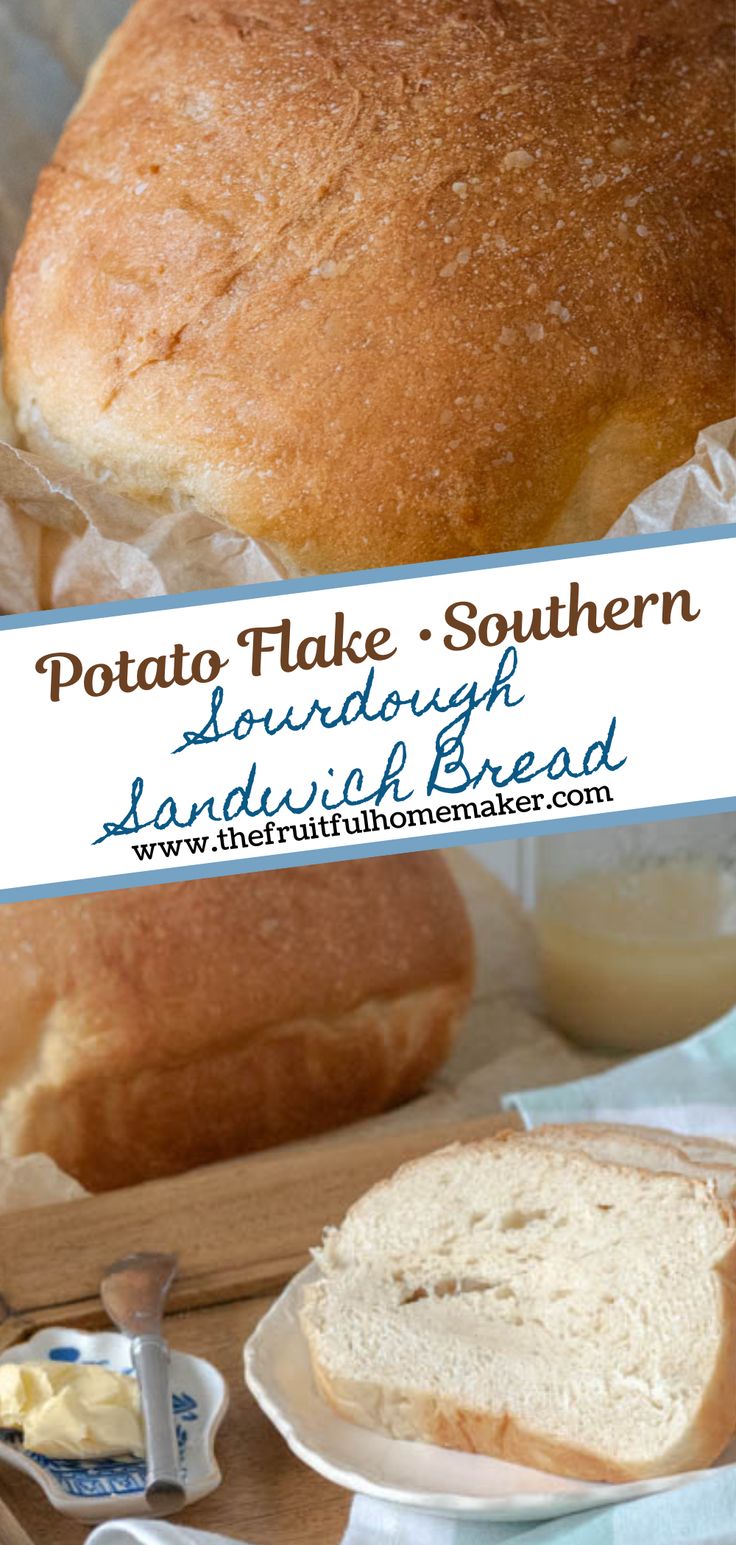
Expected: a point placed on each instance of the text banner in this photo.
(316, 720)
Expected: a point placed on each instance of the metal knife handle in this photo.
(164, 1490)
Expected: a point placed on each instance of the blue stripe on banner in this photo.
(604, 706)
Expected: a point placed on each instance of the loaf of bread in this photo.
(524, 1299)
(145, 1031)
(379, 281)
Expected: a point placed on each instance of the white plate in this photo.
(435, 1480)
(97, 1489)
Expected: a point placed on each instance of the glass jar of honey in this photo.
(637, 930)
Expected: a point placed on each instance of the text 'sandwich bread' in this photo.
(380, 281)
(146, 1031)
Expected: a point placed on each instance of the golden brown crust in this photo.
(387, 280)
(302, 1078)
(148, 1030)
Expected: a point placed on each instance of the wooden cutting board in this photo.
(240, 1231)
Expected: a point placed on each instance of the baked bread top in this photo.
(145, 1031)
(386, 280)
(161, 975)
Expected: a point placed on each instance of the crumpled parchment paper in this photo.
(35, 1181)
(65, 541)
(700, 493)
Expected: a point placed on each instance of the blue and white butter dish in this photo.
(97, 1489)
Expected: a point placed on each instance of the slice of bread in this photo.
(534, 1303)
(650, 1148)
(707, 1150)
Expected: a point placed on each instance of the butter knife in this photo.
(134, 1292)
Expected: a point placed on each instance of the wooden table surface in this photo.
(267, 1497)
(240, 1231)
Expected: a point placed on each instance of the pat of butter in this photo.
(72, 1410)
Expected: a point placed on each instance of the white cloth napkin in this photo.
(133, 1531)
(701, 1514)
(689, 1087)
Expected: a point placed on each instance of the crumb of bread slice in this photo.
(536, 1304)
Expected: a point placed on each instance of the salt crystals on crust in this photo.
(517, 161)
